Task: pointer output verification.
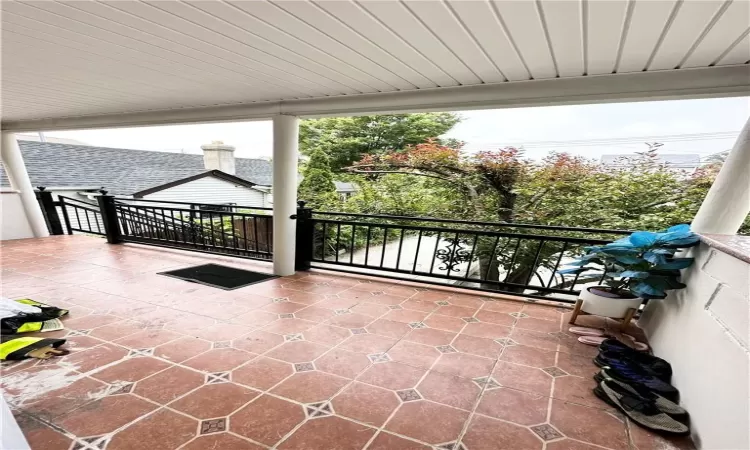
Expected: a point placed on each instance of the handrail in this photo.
(469, 222)
(142, 219)
(196, 210)
(191, 203)
(473, 232)
(79, 201)
(153, 210)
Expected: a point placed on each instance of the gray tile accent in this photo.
(546, 431)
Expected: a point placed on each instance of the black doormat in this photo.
(221, 277)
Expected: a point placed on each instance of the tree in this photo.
(317, 187)
(347, 139)
(561, 190)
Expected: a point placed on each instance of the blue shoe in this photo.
(635, 376)
(612, 352)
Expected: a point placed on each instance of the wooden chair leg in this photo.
(626, 320)
(576, 312)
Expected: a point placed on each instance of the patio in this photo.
(310, 361)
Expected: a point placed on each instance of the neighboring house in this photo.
(215, 177)
(345, 190)
(682, 162)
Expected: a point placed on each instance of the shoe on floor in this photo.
(643, 412)
(638, 390)
(635, 376)
(610, 355)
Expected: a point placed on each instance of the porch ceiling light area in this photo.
(96, 64)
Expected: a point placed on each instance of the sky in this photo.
(711, 125)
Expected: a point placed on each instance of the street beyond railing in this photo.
(518, 259)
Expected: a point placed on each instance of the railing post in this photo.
(109, 217)
(304, 242)
(49, 211)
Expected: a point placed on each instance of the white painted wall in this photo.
(703, 332)
(211, 190)
(13, 221)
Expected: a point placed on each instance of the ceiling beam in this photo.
(726, 81)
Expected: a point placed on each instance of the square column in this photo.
(19, 180)
(284, 190)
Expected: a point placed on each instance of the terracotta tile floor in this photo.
(314, 361)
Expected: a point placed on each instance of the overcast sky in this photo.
(714, 123)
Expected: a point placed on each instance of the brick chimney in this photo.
(218, 156)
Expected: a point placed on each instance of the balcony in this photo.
(314, 360)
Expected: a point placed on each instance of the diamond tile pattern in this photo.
(346, 356)
(487, 382)
(122, 388)
(409, 395)
(321, 409)
(546, 431)
(379, 358)
(74, 333)
(506, 341)
(446, 349)
(304, 367)
(453, 446)
(555, 371)
(141, 352)
(213, 426)
(217, 377)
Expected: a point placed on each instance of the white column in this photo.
(19, 180)
(727, 203)
(285, 136)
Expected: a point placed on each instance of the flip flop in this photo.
(596, 340)
(592, 340)
(586, 331)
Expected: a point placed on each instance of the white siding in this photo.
(13, 221)
(211, 190)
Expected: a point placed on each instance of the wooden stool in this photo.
(624, 321)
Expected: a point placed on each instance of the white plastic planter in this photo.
(600, 305)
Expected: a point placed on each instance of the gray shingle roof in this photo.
(121, 171)
(675, 160)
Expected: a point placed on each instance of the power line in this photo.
(614, 141)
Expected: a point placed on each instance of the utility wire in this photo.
(611, 141)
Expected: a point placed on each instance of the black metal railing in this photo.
(80, 216)
(208, 228)
(519, 259)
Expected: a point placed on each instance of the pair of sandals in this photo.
(595, 336)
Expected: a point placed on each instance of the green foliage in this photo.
(347, 139)
(642, 264)
(317, 187)
(561, 190)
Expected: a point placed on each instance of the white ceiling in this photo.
(64, 59)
